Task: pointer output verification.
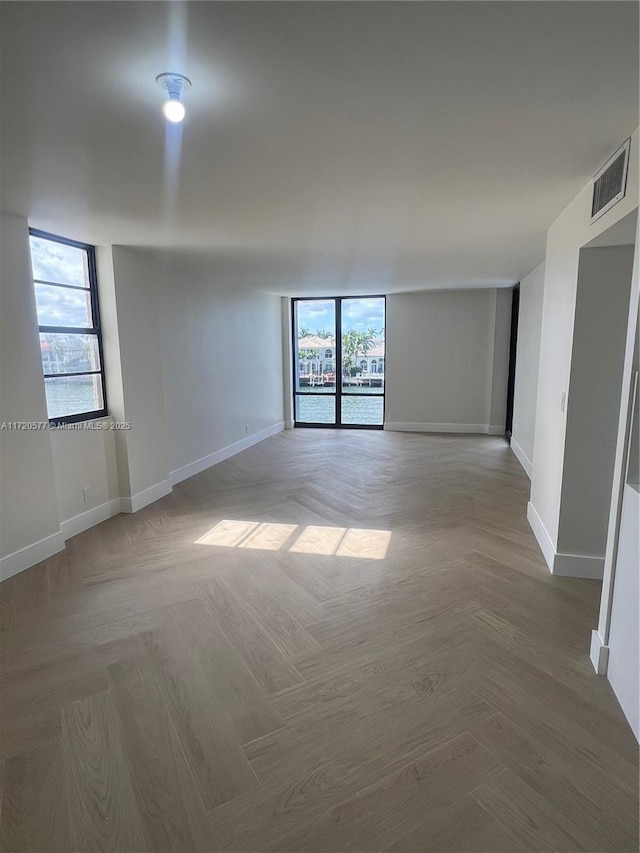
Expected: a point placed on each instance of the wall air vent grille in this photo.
(610, 183)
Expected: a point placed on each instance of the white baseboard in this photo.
(599, 654)
(522, 457)
(85, 520)
(496, 429)
(578, 566)
(146, 497)
(564, 565)
(24, 558)
(227, 452)
(288, 424)
(540, 532)
(483, 429)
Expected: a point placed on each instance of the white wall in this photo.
(137, 293)
(193, 366)
(112, 362)
(567, 235)
(440, 368)
(195, 369)
(43, 472)
(615, 645)
(601, 316)
(527, 360)
(85, 458)
(221, 353)
(29, 522)
(624, 638)
(624, 632)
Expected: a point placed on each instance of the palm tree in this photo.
(349, 350)
(355, 344)
(367, 339)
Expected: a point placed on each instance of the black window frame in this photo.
(95, 330)
(339, 393)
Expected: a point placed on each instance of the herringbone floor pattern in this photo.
(335, 641)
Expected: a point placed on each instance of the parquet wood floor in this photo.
(334, 641)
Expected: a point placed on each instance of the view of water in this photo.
(357, 409)
(73, 394)
(70, 395)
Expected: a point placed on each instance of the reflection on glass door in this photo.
(315, 361)
(363, 361)
(339, 361)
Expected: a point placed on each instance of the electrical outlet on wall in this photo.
(86, 494)
(246, 429)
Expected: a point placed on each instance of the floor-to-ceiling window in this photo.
(339, 361)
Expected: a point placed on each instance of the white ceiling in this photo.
(328, 147)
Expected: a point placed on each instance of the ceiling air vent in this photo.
(610, 183)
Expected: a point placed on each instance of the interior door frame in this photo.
(338, 393)
(513, 352)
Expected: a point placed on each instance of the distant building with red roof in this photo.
(316, 357)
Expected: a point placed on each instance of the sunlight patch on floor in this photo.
(318, 540)
(357, 543)
(268, 537)
(228, 533)
(370, 543)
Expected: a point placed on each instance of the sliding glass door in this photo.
(339, 361)
(315, 361)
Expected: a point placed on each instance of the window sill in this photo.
(99, 423)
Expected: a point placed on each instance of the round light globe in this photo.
(173, 111)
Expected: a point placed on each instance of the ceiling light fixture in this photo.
(174, 85)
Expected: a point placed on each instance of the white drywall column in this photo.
(527, 359)
(134, 373)
(112, 363)
(619, 620)
(623, 669)
(136, 280)
(29, 525)
(568, 234)
(601, 317)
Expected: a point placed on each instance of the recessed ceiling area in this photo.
(327, 147)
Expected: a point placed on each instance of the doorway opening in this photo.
(513, 349)
(339, 362)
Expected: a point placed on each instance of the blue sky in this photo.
(57, 262)
(58, 306)
(357, 314)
